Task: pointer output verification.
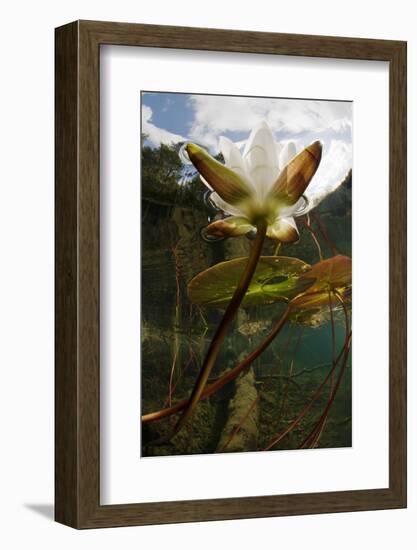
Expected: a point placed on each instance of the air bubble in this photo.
(302, 207)
(251, 234)
(208, 201)
(209, 238)
(183, 154)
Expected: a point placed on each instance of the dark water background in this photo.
(281, 381)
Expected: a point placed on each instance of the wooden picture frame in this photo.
(77, 424)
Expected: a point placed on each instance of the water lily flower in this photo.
(266, 183)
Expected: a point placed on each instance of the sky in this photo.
(173, 117)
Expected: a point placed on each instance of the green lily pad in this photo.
(276, 278)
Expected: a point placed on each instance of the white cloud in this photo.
(154, 134)
(214, 115)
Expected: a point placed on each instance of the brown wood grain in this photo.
(77, 370)
(66, 237)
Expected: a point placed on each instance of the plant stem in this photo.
(226, 378)
(343, 353)
(324, 233)
(315, 435)
(176, 351)
(277, 249)
(289, 378)
(223, 327)
(313, 235)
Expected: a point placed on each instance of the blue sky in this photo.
(169, 111)
(173, 117)
(176, 113)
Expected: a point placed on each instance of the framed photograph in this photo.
(230, 274)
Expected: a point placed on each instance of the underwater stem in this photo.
(313, 438)
(324, 233)
(176, 350)
(323, 423)
(223, 327)
(289, 378)
(226, 378)
(343, 353)
(313, 235)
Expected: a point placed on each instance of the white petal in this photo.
(225, 206)
(232, 157)
(278, 148)
(262, 138)
(261, 159)
(262, 178)
(288, 152)
(297, 209)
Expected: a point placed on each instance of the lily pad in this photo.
(332, 273)
(329, 275)
(319, 299)
(276, 278)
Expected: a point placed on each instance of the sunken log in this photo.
(240, 432)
